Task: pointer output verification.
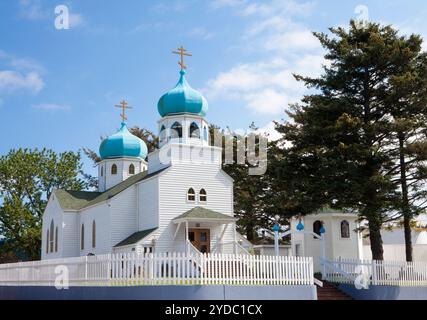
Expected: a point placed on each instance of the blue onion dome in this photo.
(123, 144)
(182, 99)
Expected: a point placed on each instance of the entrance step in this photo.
(330, 291)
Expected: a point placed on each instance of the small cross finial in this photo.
(123, 105)
(182, 52)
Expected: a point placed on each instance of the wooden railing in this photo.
(161, 269)
(374, 272)
(231, 246)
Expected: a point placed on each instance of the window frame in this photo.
(348, 229)
(162, 134)
(176, 127)
(113, 169)
(133, 169)
(193, 194)
(194, 127)
(47, 241)
(315, 223)
(82, 237)
(56, 239)
(204, 194)
(52, 236)
(93, 234)
(205, 134)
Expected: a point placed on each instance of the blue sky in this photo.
(58, 87)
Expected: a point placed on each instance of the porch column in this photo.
(186, 236)
(235, 238)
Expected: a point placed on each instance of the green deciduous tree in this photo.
(27, 179)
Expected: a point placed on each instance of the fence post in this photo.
(323, 254)
(85, 269)
(374, 272)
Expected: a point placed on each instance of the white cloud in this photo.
(265, 87)
(51, 107)
(13, 80)
(227, 3)
(283, 47)
(201, 33)
(270, 131)
(293, 40)
(268, 101)
(76, 20)
(25, 64)
(278, 7)
(20, 73)
(32, 10)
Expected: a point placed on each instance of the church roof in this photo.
(135, 237)
(182, 99)
(198, 213)
(77, 200)
(123, 144)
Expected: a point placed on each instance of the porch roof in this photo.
(203, 214)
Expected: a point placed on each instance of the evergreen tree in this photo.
(408, 100)
(252, 205)
(341, 134)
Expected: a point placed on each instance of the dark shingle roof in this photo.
(135, 237)
(77, 200)
(203, 213)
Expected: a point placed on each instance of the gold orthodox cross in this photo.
(123, 105)
(182, 52)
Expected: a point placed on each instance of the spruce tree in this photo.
(341, 135)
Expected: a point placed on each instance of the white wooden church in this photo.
(174, 199)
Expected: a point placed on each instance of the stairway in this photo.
(330, 291)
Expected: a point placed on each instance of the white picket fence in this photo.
(162, 269)
(393, 273)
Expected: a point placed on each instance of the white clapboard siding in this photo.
(131, 269)
(388, 273)
(173, 187)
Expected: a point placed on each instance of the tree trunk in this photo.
(406, 211)
(250, 232)
(376, 240)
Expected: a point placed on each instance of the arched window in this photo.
(102, 171)
(51, 236)
(47, 241)
(176, 130)
(162, 134)
(191, 195)
(205, 134)
(317, 225)
(194, 131)
(345, 229)
(56, 239)
(203, 195)
(132, 169)
(82, 237)
(114, 169)
(93, 234)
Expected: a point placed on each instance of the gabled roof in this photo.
(135, 237)
(77, 200)
(200, 213)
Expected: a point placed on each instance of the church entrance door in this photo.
(200, 239)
